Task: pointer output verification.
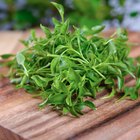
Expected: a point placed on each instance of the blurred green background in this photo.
(24, 14)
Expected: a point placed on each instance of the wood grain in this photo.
(125, 125)
(21, 119)
(8, 41)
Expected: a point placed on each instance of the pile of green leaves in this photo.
(65, 67)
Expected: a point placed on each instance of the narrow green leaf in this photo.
(65, 111)
(112, 47)
(97, 29)
(68, 100)
(138, 84)
(46, 31)
(60, 9)
(54, 65)
(112, 94)
(23, 81)
(120, 82)
(64, 27)
(6, 56)
(90, 104)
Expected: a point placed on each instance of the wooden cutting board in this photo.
(20, 118)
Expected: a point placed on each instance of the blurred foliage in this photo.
(93, 12)
(90, 12)
(23, 14)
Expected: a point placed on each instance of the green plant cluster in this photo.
(65, 67)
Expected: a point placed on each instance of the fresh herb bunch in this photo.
(65, 67)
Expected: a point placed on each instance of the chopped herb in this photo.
(65, 67)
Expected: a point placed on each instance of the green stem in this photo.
(25, 71)
(98, 72)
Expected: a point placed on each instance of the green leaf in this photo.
(138, 71)
(82, 91)
(23, 81)
(39, 81)
(60, 48)
(20, 59)
(73, 76)
(6, 56)
(131, 92)
(90, 104)
(66, 63)
(57, 99)
(60, 86)
(68, 100)
(16, 80)
(134, 95)
(65, 111)
(80, 107)
(112, 47)
(109, 81)
(122, 35)
(113, 70)
(124, 67)
(112, 94)
(60, 9)
(120, 82)
(54, 65)
(65, 27)
(56, 23)
(33, 35)
(74, 112)
(97, 29)
(138, 84)
(46, 31)
(30, 89)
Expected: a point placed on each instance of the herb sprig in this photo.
(65, 67)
